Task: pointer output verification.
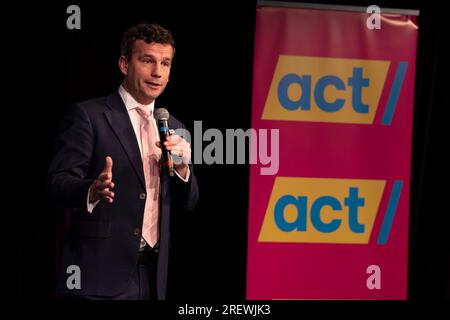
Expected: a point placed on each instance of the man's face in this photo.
(147, 72)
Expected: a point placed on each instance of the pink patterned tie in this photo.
(151, 156)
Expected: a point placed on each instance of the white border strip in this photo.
(320, 6)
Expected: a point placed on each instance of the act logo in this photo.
(319, 210)
(331, 90)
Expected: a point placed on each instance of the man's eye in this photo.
(148, 61)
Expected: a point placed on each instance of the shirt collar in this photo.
(130, 102)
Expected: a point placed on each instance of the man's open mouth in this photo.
(153, 84)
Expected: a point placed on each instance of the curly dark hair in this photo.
(147, 32)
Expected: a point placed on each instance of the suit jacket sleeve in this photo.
(67, 182)
(185, 194)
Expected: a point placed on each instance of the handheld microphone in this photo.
(162, 117)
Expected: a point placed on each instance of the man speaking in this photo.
(107, 169)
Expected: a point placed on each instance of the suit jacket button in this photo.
(137, 231)
(142, 195)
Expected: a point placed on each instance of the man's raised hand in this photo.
(100, 188)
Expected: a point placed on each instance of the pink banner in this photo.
(332, 223)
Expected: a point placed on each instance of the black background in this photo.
(48, 66)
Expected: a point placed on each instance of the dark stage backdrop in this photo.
(49, 67)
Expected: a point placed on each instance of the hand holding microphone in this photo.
(181, 150)
(172, 145)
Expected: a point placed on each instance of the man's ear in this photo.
(123, 65)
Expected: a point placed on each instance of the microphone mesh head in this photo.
(161, 114)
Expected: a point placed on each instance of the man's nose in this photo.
(157, 70)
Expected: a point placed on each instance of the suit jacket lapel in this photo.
(120, 123)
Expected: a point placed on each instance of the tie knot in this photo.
(144, 112)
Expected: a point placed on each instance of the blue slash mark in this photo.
(395, 92)
(390, 212)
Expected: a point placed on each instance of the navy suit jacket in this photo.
(105, 244)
